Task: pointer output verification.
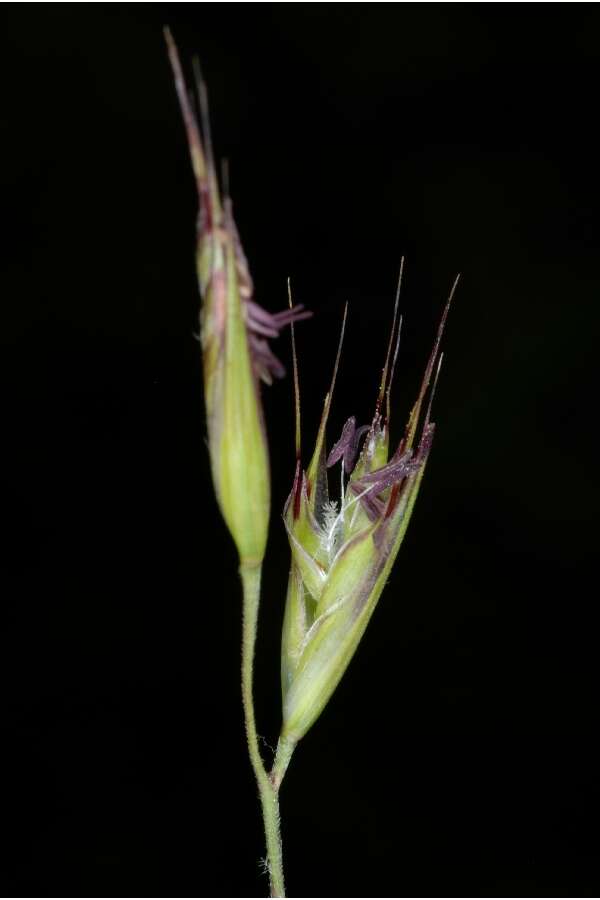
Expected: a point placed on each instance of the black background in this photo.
(459, 755)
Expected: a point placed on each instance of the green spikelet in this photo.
(342, 555)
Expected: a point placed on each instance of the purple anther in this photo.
(393, 472)
(262, 324)
(347, 446)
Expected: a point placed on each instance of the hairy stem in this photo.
(268, 792)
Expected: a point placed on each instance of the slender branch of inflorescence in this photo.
(268, 787)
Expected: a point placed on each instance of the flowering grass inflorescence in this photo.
(342, 551)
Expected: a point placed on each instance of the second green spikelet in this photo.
(235, 353)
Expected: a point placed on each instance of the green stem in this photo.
(269, 794)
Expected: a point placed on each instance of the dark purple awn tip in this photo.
(297, 489)
(347, 446)
(426, 441)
